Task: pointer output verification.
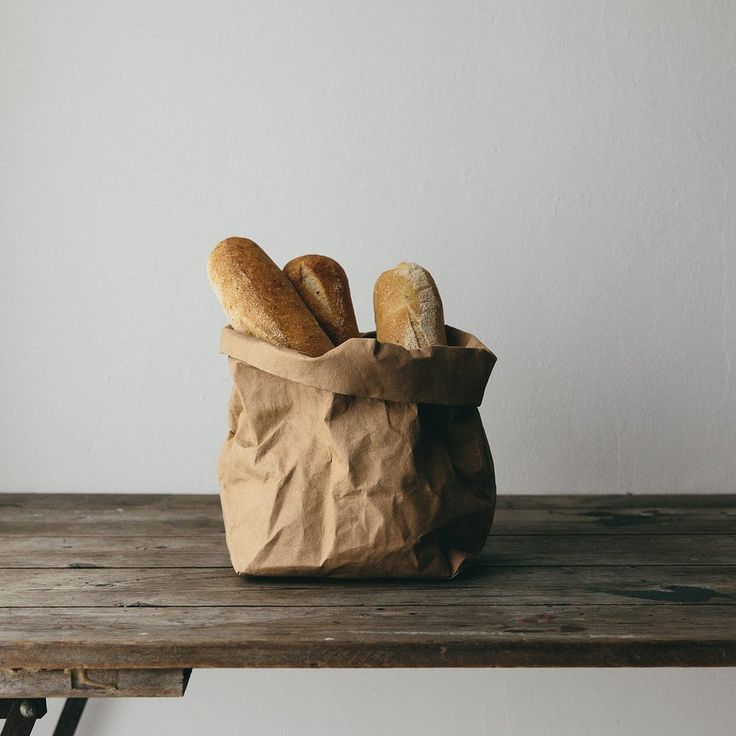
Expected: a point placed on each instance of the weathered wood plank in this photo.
(84, 683)
(205, 550)
(617, 501)
(668, 635)
(555, 586)
(631, 549)
(502, 550)
(121, 520)
(485, 586)
(615, 521)
(207, 501)
(162, 502)
(155, 515)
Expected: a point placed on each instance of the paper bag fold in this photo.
(369, 461)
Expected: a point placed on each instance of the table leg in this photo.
(21, 715)
(70, 715)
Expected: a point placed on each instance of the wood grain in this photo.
(209, 502)
(84, 683)
(590, 550)
(308, 636)
(215, 587)
(205, 550)
(187, 515)
(141, 582)
(209, 550)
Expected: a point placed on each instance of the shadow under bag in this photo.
(368, 461)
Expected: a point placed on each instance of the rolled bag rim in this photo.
(452, 375)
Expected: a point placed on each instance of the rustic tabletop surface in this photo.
(98, 590)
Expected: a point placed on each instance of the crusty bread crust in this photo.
(408, 308)
(323, 286)
(259, 299)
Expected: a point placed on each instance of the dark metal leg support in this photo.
(21, 715)
(70, 715)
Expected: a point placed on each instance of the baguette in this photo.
(408, 308)
(323, 286)
(259, 299)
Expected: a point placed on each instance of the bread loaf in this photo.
(259, 299)
(408, 308)
(323, 286)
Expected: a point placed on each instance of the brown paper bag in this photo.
(369, 461)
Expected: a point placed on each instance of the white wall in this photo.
(564, 169)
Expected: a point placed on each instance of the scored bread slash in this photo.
(408, 308)
(260, 300)
(323, 285)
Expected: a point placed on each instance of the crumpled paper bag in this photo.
(368, 461)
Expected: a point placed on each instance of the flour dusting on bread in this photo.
(323, 285)
(408, 308)
(260, 300)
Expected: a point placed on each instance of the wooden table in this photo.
(122, 595)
